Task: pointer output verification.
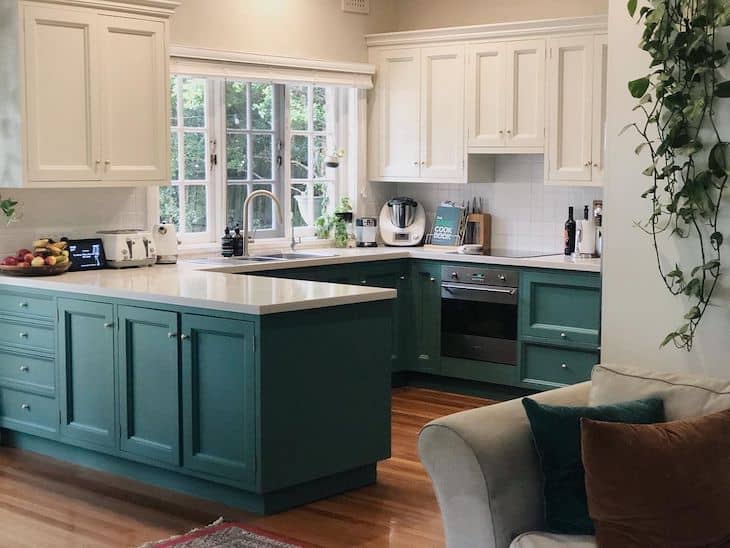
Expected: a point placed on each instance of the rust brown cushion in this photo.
(663, 485)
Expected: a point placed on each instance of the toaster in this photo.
(128, 248)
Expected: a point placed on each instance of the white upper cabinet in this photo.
(62, 104)
(135, 113)
(417, 115)
(442, 112)
(506, 97)
(577, 110)
(96, 97)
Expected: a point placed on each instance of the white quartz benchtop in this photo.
(184, 286)
(222, 284)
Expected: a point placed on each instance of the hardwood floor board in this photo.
(47, 503)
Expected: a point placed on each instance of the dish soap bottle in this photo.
(227, 243)
(237, 241)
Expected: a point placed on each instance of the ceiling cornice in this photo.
(159, 8)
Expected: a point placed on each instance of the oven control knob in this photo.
(454, 276)
(501, 277)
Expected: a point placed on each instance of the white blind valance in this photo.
(269, 68)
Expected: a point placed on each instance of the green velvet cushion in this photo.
(556, 431)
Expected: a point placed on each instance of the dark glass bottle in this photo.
(569, 233)
(227, 243)
(585, 213)
(237, 241)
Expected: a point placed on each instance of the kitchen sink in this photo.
(293, 255)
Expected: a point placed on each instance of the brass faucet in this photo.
(256, 194)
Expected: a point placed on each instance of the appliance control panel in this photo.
(481, 276)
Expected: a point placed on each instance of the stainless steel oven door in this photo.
(479, 322)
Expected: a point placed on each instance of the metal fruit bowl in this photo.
(35, 270)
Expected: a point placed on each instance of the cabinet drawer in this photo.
(18, 303)
(28, 413)
(555, 365)
(561, 306)
(27, 335)
(25, 372)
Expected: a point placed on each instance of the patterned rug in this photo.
(225, 535)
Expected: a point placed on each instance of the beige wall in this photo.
(312, 29)
(637, 310)
(424, 14)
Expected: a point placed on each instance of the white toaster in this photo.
(127, 248)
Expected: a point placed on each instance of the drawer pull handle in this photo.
(184, 337)
(24, 368)
(564, 365)
(23, 305)
(364, 282)
(563, 336)
(424, 357)
(402, 277)
(172, 335)
(109, 325)
(25, 406)
(23, 335)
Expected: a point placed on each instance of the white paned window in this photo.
(232, 137)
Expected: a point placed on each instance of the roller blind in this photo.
(268, 68)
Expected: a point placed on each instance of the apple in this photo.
(51, 260)
(24, 265)
(38, 261)
(23, 252)
(10, 261)
(28, 257)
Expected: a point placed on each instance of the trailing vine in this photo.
(690, 159)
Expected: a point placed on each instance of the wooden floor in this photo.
(47, 503)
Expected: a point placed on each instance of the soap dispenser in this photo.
(227, 243)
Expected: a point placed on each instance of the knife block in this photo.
(479, 229)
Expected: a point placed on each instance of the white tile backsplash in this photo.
(526, 214)
(71, 212)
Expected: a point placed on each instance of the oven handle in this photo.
(488, 289)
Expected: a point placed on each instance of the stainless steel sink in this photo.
(289, 256)
(256, 259)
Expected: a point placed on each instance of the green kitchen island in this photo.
(256, 392)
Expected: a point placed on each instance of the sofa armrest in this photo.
(486, 472)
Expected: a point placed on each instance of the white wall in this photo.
(526, 214)
(423, 14)
(637, 310)
(314, 29)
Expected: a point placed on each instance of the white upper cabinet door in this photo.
(442, 112)
(570, 103)
(525, 90)
(61, 70)
(486, 95)
(399, 92)
(134, 101)
(600, 70)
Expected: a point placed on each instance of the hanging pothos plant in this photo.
(690, 157)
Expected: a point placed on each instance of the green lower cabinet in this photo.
(219, 389)
(86, 372)
(426, 317)
(551, 366)
(149, 384)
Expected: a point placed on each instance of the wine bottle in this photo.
(569, 233)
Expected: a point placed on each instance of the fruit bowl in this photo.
(34, 270)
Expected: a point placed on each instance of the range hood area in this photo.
(10, 142)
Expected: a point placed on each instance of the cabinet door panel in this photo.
(149, 381)
(62, 133)
(399, 98)
(134, 102)
(218, 397)
(556, 365)
(485, 95)
(86, 364)
(442, 112)
(426, 319)
(600, 72)
(525, 105)
(571, 88)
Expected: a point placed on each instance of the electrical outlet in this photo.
(356, 6)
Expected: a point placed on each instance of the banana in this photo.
(43, 242)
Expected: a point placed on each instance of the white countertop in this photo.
(218, 283)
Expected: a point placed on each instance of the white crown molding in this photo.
(595, 23)
(162, 8)
(257, 59)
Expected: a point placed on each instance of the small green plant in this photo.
(9, 209)
(324, 224)
(690, 158)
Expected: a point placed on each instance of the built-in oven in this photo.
(479, 314)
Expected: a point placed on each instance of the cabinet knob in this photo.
(363, 282)
(23, 335)
(563, 336)
(23, 305)
(454, 275)
(423, 163)
(502, 277)
(24, 368)
(402, 277)
(509, 132)
(415, 162)
(595, 165)
(107, 162)
(501, 132)
(588, 163)
(25, 406)
(172, 335)
(108, 325)
(564, 365)
(424, 357)
(432, 279)
(184, 337)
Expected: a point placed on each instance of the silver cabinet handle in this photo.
(24, 368)
(402, 277)
(108, 325)
(424, 357)
(364, 282)
(432, 279)
(23, 335)
(23, 305)
(564, 365)
(184, 337)
(563, 336)
(172, 335)
(25, 406)
(415, 162)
